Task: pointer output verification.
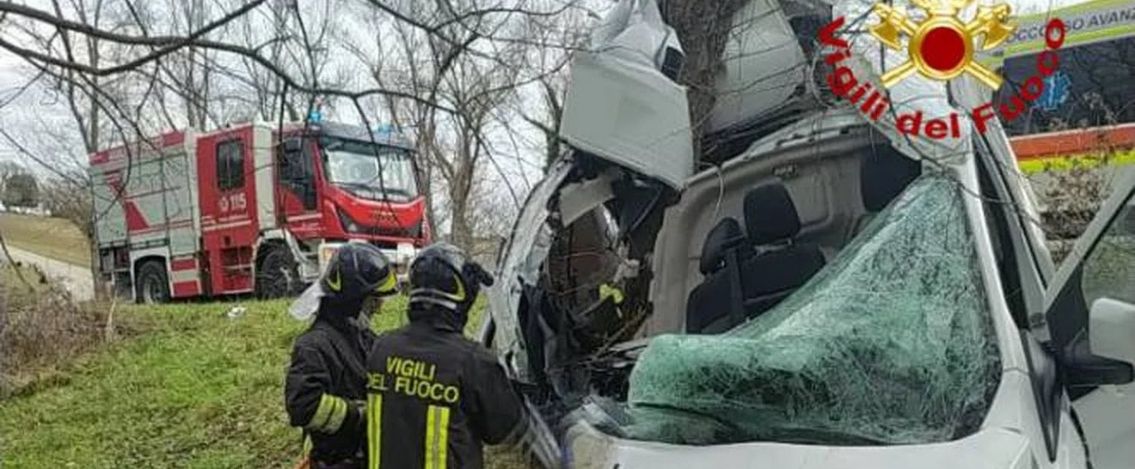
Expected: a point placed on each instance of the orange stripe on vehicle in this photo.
(1114, 138)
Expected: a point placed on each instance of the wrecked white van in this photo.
(832, 296)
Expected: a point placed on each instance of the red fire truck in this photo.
(251, 208)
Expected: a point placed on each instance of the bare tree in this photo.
(7, 169)
(21, 189)
(505, 76)
(69, 199)
(545, 110)
(449, 72)
(85, 99)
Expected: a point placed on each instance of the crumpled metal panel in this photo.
(621, 106)
(747, 87)
(520, 264)
(892, 343)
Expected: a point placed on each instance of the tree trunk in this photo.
(459, 227)
(99, 287)
(424, 168)
(703, 28)
(94, 140)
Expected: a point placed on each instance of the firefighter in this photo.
(325, 389)
(434, 397)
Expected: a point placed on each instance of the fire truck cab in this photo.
(251, 208)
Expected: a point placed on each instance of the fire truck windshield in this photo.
(354, 166)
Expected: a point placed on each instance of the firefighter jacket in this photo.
(434, 397)
(325, 390)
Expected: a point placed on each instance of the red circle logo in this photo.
(943, 49)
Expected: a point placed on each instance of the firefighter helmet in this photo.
(443, 276)
(356, 272)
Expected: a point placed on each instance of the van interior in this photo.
(787, 291)
(736, 242)
(788, 227)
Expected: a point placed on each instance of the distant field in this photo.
(56, 238)
(192, 388)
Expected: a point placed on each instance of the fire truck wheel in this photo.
(152, 284)
(276, 274)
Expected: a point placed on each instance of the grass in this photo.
(56, 238)
(195, 389)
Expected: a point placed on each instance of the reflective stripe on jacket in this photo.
(325, 389)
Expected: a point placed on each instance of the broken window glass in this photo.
(891, 344)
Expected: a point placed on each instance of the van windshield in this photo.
(891, 343)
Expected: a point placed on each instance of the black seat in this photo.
(883, 175)
(724, 238)
(782, 264)
(722, 252)
(763, 276)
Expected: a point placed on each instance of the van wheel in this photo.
(152, 284)
(276, 274)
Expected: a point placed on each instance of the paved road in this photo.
(76, 278)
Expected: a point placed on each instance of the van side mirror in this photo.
(1112, 326)
(1107, 356)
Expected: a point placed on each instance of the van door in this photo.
(1090, 317)
(229, 225)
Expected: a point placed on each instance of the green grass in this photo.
(56, 238)
(194, 389)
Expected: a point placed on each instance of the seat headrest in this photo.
(726, 234)
(770, 214)
(883, 175)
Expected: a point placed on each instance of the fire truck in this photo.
(251, 208)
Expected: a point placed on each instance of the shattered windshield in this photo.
(890, 344)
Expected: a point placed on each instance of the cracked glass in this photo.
(892, 343)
